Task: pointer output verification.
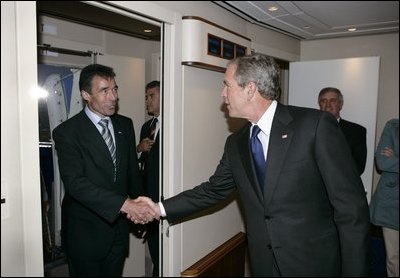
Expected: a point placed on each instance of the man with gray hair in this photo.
(304, 204)
(330, 99)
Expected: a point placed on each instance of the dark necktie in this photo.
(105, 132)
(152, 129)
(258, 156)
(151, 135)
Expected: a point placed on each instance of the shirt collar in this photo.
(265, 122)
(93, 116)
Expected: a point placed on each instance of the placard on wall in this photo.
(210, 46)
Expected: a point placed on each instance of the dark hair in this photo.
(331, 89)
(153, 84)
(262, 70)
(90, 71)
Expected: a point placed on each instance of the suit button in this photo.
(267, 217)
(269, 246)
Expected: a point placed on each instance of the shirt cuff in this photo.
(162, 209)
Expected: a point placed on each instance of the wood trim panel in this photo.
(227, 260)
(204, 66)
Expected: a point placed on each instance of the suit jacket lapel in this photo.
(94, 140)
(118, 133)
(280, 137)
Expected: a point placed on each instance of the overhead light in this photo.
(352, 29)
(272, 8)
(147, 30)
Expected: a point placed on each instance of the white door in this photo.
(357, 79)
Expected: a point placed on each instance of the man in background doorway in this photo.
(149, 148)
(330, 99)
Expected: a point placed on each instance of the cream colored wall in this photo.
(21, 241)
(205, 131)
(207, 10)
(273, 44)
(386, 46)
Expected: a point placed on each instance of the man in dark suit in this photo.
(330, 99)
(99, 170)
(149, 149)
(309, 215)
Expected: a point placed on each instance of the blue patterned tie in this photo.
(258, 156)
(105, 132)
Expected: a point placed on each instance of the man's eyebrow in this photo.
(103, 88)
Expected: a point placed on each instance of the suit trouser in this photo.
(391, 238)
(153, 241)
(111, 266)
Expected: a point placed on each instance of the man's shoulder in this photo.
(351, 125)
(72, 122)
(393, 123)
(122, 118)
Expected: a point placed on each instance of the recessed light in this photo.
(272, 8)
(352, 29)
(147, 30)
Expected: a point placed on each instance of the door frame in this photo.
(28, 113)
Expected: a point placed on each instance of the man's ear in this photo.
(85, 95)
(251, 90)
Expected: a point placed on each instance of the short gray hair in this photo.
(331, 89)
(260, 69)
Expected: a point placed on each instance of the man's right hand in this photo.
(141, 210)
(144, 145)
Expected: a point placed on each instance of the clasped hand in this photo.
(145, 145)
(141, 210)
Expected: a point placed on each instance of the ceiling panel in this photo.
(307, 20)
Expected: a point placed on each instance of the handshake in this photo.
(141, 210)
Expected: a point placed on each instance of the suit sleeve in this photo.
(203, 196)
(136, 182)
(384, 163)
(347, 196)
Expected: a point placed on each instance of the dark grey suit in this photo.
(356, 136)
(91, 221)
(312, 219)
(151, 174)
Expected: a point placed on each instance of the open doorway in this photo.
(71, 36)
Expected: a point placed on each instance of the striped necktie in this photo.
(105, 132)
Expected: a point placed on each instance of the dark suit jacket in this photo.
(313, 215)
(90, 208)
(152, 169)
(356, 136)
(151, 188)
